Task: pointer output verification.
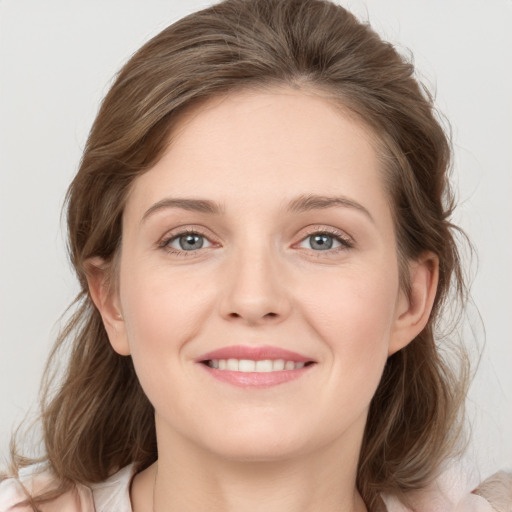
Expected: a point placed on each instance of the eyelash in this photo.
(343, 239)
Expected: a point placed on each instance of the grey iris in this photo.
(190, 241)
(321, 242)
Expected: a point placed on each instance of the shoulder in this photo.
(113, 493)
(497, 489)
(37, 480)
(459, 488)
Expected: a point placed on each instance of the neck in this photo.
(260, 489)
(185, 480)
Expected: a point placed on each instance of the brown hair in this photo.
(98, 418)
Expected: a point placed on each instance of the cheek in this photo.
(354, 316)
(161, 307)
(162, 313)
(354, 306)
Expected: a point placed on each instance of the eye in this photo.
(185, 242)
(321, 241)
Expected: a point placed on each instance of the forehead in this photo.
(257, 145)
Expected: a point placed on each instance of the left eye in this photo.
(187, 242)
(323, 241)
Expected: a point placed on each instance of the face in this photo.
(263, 236)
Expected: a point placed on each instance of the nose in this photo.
(254, 288)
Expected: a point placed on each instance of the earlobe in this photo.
(107, 302)
(414, 307)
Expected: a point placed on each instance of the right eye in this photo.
(184, 242)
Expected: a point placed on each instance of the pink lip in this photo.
(256, 379)
(259, 353)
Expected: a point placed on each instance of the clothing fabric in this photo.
(456, 490)
(112, 495)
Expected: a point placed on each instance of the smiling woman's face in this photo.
(264, 228)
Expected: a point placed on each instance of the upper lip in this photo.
(255, 353)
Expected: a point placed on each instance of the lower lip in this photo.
(256, 379)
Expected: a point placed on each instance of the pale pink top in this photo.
(451, 492)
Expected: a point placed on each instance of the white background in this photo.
(57, 58)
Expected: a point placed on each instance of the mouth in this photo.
(255, 366)
(252, 366)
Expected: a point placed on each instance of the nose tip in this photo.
(255, 309)
(253, 293)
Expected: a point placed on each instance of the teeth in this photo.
(264, 366)
(278, 365)
(248, 365)
(232, 364)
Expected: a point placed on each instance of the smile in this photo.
(250, 366)
(256, 366)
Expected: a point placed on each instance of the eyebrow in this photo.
(194, 205)
(305, 203)
(300, 204)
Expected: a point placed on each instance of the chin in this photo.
(259, 442)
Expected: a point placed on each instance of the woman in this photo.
(261, 229)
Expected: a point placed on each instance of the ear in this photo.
(106, 300)
(414, 307)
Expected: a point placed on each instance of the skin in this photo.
(258, 279)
